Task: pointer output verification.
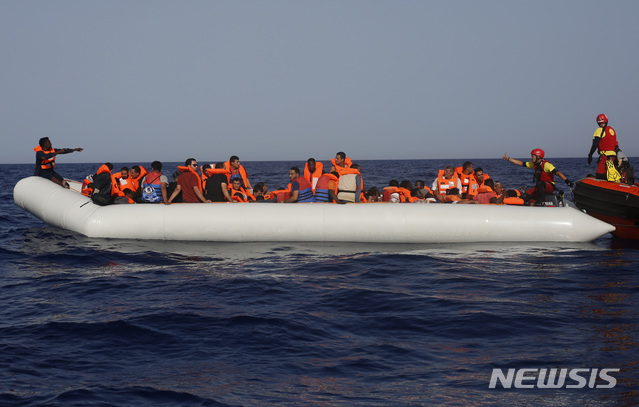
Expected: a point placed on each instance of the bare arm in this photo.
(175, 192)
(164, 194)
(512, 160)
(294, 196)
(562, 176)
(199, 195)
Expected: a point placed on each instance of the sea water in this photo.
(132, 323)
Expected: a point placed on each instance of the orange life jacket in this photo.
(240, 195)
(444, 184)
(486, 176)
(191, 170)
(484, 188)
(347, 163)
(281, 194)
(212, 171)
(241, 171)
(135, 182)
(388, 191)
(513, 200)
(121, 185)
(86, 190)
(314, 177)
(47, 163)
(114, 186)
(468, 182)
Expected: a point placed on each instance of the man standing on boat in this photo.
(605, 141)
(544, 178)
(45, 161)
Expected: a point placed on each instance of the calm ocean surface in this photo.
(137, 323)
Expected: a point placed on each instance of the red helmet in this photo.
(539, 152)
(602, 118)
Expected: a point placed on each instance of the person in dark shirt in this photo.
(45, 161)
(216, 185)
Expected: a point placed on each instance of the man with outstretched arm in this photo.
(45, 161)
(544, 178)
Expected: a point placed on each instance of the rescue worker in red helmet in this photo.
(605, 141)
(544, 178)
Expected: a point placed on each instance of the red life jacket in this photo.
(543, 175)
(322, 187)
(608, 142)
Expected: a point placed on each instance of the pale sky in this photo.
(137, 81)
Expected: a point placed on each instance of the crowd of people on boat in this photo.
(341, 183)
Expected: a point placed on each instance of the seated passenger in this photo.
(467, 177)
(122, 177)
(480, 176)
(237, 170)
(372, 195)
(102, 185)
(216, 185)
(392, 192)
(446, 179)
(260, 192)
(419, 184)
(326, 187)
(189, 183)
(301, 189)
(126, 198)
(238, 193)
(486, 194)
(153, 185)
(340, 162)
(204, 172)
(313, 171)
(136, 174)
(423, 195)
(406, 188)
(349, 186)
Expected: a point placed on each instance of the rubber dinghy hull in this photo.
(363, 223)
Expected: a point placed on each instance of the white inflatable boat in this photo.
(266, 222)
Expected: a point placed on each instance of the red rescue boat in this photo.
(611, 202)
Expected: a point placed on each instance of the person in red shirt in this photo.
(189, 183)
